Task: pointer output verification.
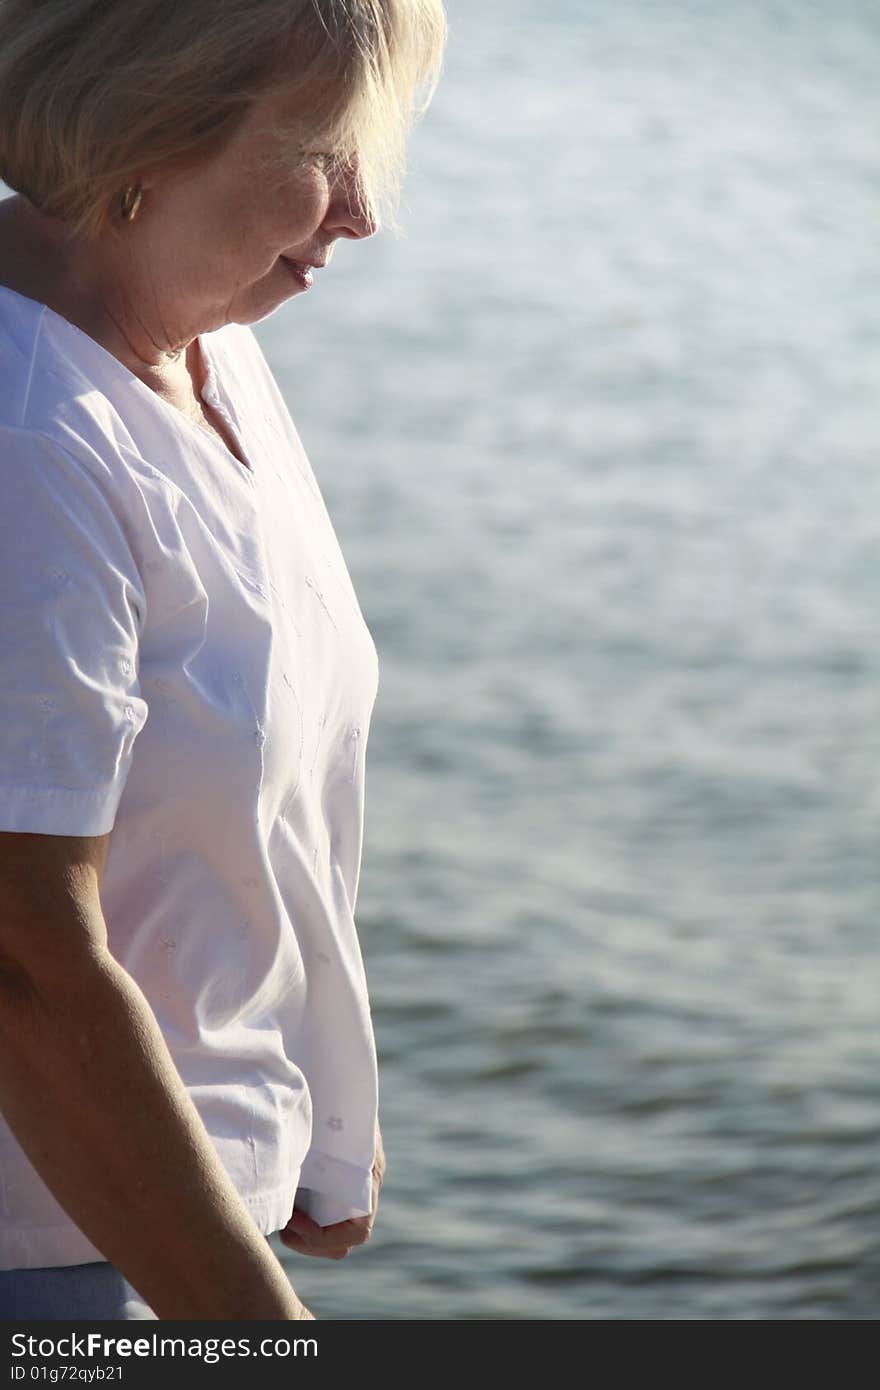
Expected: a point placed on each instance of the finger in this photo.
(352, 1232)
(343, 1234)
(322, 1252)
(333, 1240)
(291, 1238)
(302, 1223)
(329, 1242)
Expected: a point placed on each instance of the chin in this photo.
(256, 313)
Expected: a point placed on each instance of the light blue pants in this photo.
(77, 1293)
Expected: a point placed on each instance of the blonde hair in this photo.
(94, 93)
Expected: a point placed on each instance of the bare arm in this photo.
(92, 1094)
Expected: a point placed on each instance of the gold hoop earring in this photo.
(131, 201)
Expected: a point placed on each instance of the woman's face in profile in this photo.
(231, 240)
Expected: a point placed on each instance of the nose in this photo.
(347, 214)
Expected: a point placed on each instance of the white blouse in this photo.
(183, 661)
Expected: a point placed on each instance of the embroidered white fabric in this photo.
(183, 662)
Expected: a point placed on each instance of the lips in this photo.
(301, 272)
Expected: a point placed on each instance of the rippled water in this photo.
(600, 438)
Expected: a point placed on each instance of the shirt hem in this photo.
(55, 1247)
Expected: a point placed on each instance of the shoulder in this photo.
(66, 465)
(21, 328)
(55, 394)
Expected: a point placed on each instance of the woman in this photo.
(186, 1055)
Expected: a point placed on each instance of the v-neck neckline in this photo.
(212, 392)
(215, 396)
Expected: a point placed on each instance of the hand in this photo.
(306, 1237)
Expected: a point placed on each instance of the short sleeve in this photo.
(72, 606)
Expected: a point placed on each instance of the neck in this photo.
(94, 285)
